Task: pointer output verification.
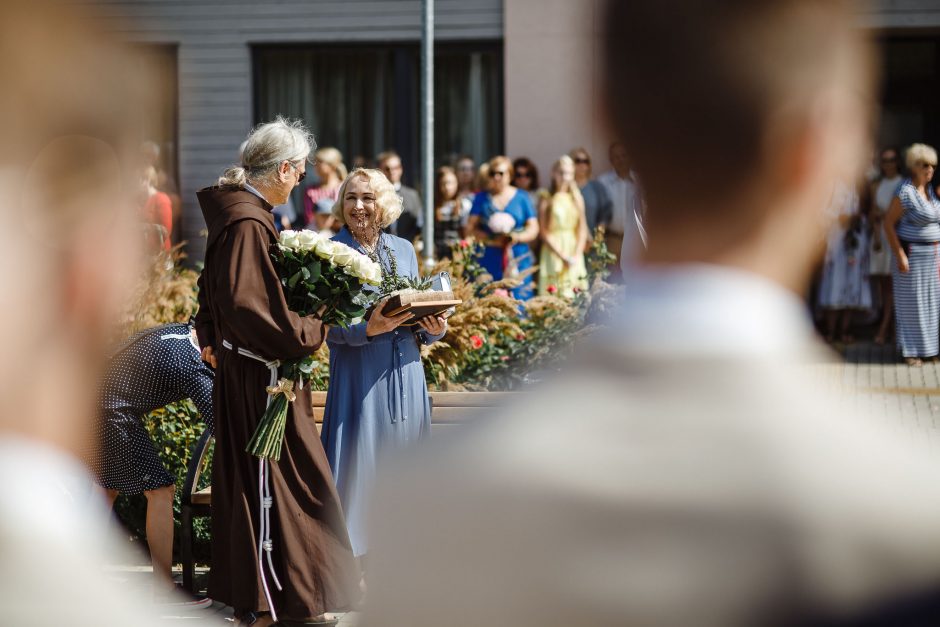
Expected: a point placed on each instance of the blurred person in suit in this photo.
(70, 239)
(409, 224)
(690, 468)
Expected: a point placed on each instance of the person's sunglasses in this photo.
(523, 175)
(583, 161)
(302, 172)
(499, 173)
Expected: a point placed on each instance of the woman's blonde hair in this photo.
(387, 201)
(497, 161)
(333, 158)
(267, 147)
(919, 153)
(572, 187)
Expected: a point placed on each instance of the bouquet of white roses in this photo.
(325, 278)
(321, 278)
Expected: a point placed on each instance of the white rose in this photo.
(307, 240)
(325, 248)
(343, 255)
(373, 273)
(288, 239)
(360, 267)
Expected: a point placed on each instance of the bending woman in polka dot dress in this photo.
(152, 369)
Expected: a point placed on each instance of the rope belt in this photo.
(265, 544)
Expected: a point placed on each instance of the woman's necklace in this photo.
(390, 279)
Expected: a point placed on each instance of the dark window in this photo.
(911, 91)
(365, 99)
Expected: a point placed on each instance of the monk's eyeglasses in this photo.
(302, 173)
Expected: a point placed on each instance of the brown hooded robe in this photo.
(240, 300)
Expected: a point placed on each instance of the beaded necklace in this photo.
(390, 279)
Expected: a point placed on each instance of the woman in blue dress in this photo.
(378, 398)
(504, 219)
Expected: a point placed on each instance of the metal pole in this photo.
(427, 128)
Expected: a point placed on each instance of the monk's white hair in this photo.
(267, 147)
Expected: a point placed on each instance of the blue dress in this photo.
(520, 208)
(377, 399)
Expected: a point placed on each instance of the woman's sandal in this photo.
(914, 362)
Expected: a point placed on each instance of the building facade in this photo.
(513, 76)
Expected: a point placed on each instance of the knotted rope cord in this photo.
(265, 544)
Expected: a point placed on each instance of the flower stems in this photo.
(269, 436)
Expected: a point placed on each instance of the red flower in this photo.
(501, 292)
(464, 243)
(477, 341)
(504, 358)
(520, 337)
(552, 289)
(576, 290)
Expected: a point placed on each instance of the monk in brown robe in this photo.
(242, 306)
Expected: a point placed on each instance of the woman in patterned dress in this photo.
(152, 369)
(844, 287)
(913, 229)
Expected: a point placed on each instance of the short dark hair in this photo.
(705, 78)
(525, 162)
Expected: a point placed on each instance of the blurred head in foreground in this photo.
(69, 180)
(746, 119)
(67, 111)
(689, 467)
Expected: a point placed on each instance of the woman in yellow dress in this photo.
(564, 234)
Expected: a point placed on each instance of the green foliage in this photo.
(547, 327)
(494, 341)
(598, 259)
(395, 283)
(175, 429)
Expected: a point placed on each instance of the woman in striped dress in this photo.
(913, 229)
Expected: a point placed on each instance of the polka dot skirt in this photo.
(154, 368)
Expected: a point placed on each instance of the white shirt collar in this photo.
(712, 310)
(249, 188)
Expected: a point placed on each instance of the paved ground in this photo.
(871, 376)
(909, 396)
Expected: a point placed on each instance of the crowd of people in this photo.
(687, 469)
(551, 226)
(880, 263)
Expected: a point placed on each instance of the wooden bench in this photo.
(447, 409)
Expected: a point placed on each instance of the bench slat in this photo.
(447, 399)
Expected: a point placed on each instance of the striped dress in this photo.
(917, 292)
